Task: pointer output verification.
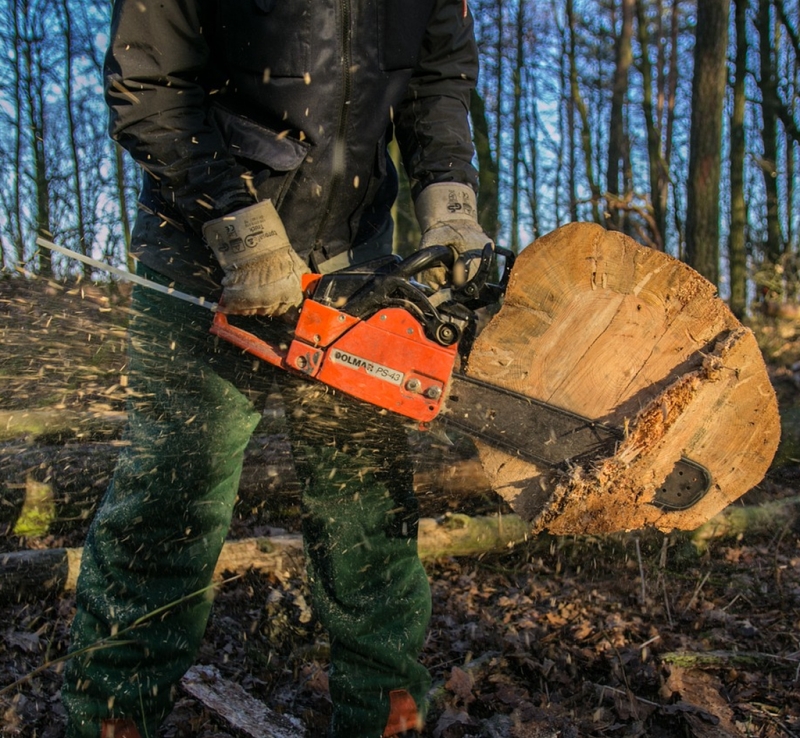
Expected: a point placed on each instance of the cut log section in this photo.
(623, 335)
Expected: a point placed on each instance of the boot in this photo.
(119, 728)
(404, 718)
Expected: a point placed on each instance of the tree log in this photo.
(618, 333)
(77, 475)
(36, 573)
(613, 331)
(735, 521)
(721, 659)
(55, 421)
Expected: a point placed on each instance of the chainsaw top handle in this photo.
(424, 259)
(444, 314)
(443, 255)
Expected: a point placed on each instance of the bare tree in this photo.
(35, 74)
(580, 107)
(12, 116)
(617, 137)
(773, 247)
(72, 134)
(737, 246)
(488, 175)
(708, 92)
(516, 126)
(567, 126)
(658, 168)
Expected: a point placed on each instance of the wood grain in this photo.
(596, 324)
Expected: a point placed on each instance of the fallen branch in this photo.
(230, 703)
(718, 659)
(462, 535)
(735, 521)
(51, 421)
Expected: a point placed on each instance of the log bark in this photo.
(618, 333)
(37, 573)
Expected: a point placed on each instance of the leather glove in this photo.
(448, 216)
(262, 270)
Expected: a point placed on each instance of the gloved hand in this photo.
(448, 216)
(262, 270)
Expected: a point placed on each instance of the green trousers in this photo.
(142, 596)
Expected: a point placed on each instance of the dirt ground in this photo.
(628, 635)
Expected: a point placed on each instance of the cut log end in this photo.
(595, 324)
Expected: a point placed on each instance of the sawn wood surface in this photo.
(596, 324)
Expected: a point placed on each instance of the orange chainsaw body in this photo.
(376, 335)
(386, 359)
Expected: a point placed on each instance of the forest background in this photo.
(675, 121)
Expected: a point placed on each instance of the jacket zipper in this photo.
(339, 143)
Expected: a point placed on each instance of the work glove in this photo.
(447, 213)
(262, 270)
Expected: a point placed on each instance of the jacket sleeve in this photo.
(157, 105)
(432, 124)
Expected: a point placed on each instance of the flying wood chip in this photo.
(629, 337)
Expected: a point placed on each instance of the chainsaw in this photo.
(376, 334)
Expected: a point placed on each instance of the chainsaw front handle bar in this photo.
(424, 259)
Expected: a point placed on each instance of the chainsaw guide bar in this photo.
(544, 434)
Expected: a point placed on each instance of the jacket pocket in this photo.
(273, 159)
(271, 37)
(401, 30)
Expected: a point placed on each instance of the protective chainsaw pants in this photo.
(143, 594)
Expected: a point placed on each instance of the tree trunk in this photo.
(35, 76)
(566, 140)
(534, 127)
(499, 90)
(659, 178)
(72, 133)
(617, 143)
(516, 128)
(580, 107)
(705, 148)
(488, 176)
(19, 241)
(769, 129)
(737, 242)
(597, 325)
(669, 123)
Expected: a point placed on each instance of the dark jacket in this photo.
(292, 99)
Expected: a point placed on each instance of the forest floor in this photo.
(626, 635)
